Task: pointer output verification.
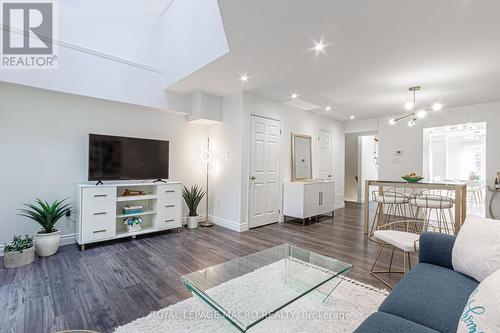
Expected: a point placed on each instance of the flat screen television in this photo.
(122, 158)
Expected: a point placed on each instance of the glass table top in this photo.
(249, 289)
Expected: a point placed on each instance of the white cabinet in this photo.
(307, 199)
(169, 206)
(101, 214)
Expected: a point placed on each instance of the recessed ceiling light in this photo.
(412, 122)
(244, 78)
(392, 121)
(294, 96)
(328, 108)
(352, 117)
(319, 47)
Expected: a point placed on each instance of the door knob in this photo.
(252, 178)
(329, 176)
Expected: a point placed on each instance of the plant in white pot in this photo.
(46, 214)
(192, 197)
(19, 253)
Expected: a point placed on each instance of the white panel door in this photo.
(324, 155)
(265, 155)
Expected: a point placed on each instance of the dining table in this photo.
(458, 188)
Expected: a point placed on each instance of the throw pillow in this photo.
(476, 252)
(482, 309)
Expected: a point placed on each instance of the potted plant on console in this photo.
(46, 214)
(19, 253)
(192, 197)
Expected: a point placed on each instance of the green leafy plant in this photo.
(192, 197)
(46, 214)
(19, 243)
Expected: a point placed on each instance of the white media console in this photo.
(100, 213)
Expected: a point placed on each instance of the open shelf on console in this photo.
(125, 233)
(147, 211)
(137, 197)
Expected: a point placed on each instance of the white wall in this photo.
(43, 144)
(366, 166)
(410, 140)
(225, 184)
(351, 167)
(232, 138)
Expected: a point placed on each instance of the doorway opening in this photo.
(458, 153)
(361, 164)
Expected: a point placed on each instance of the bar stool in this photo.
(440, 205)
(396, 204)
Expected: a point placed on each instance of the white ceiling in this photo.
(377, 49)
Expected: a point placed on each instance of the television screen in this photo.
(122, 158)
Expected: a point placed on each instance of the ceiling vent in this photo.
(301, 104)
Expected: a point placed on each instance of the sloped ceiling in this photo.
(129, 50)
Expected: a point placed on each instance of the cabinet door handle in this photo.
(320, 198)
(170, 191)
(99, 231)
(102, 213)
(170, 220)
(169, 206)
(100, 195)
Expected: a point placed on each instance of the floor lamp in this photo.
(206, 156)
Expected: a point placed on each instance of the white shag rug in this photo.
(345, 309)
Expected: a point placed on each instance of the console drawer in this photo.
(169, 194)
(96, 234)
(98, 200)
(98, 219)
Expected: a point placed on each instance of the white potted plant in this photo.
(192, 197)
(48, 239)
(19, 253)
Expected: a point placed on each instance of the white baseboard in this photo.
(65, 240)
(222, 222)
(235, 226)
(340, 205)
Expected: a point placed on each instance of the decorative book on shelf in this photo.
(128, 193)
(133, 209)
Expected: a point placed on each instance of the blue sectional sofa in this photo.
(430, 298)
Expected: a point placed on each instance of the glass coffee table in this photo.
(249, 289)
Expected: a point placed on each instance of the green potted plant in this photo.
(192, 197)
(46, 214)
(19, 253)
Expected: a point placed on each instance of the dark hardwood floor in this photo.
(111, 284)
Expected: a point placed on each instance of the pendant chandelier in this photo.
(415, 112)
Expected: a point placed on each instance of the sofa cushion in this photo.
(477, 251)
(381, 322)
(432, 296)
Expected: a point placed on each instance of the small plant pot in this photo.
(47, 244)
(14, 259)
(192, 222)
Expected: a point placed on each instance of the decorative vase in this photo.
(47, 244)
(192, 222)
(14, 259)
